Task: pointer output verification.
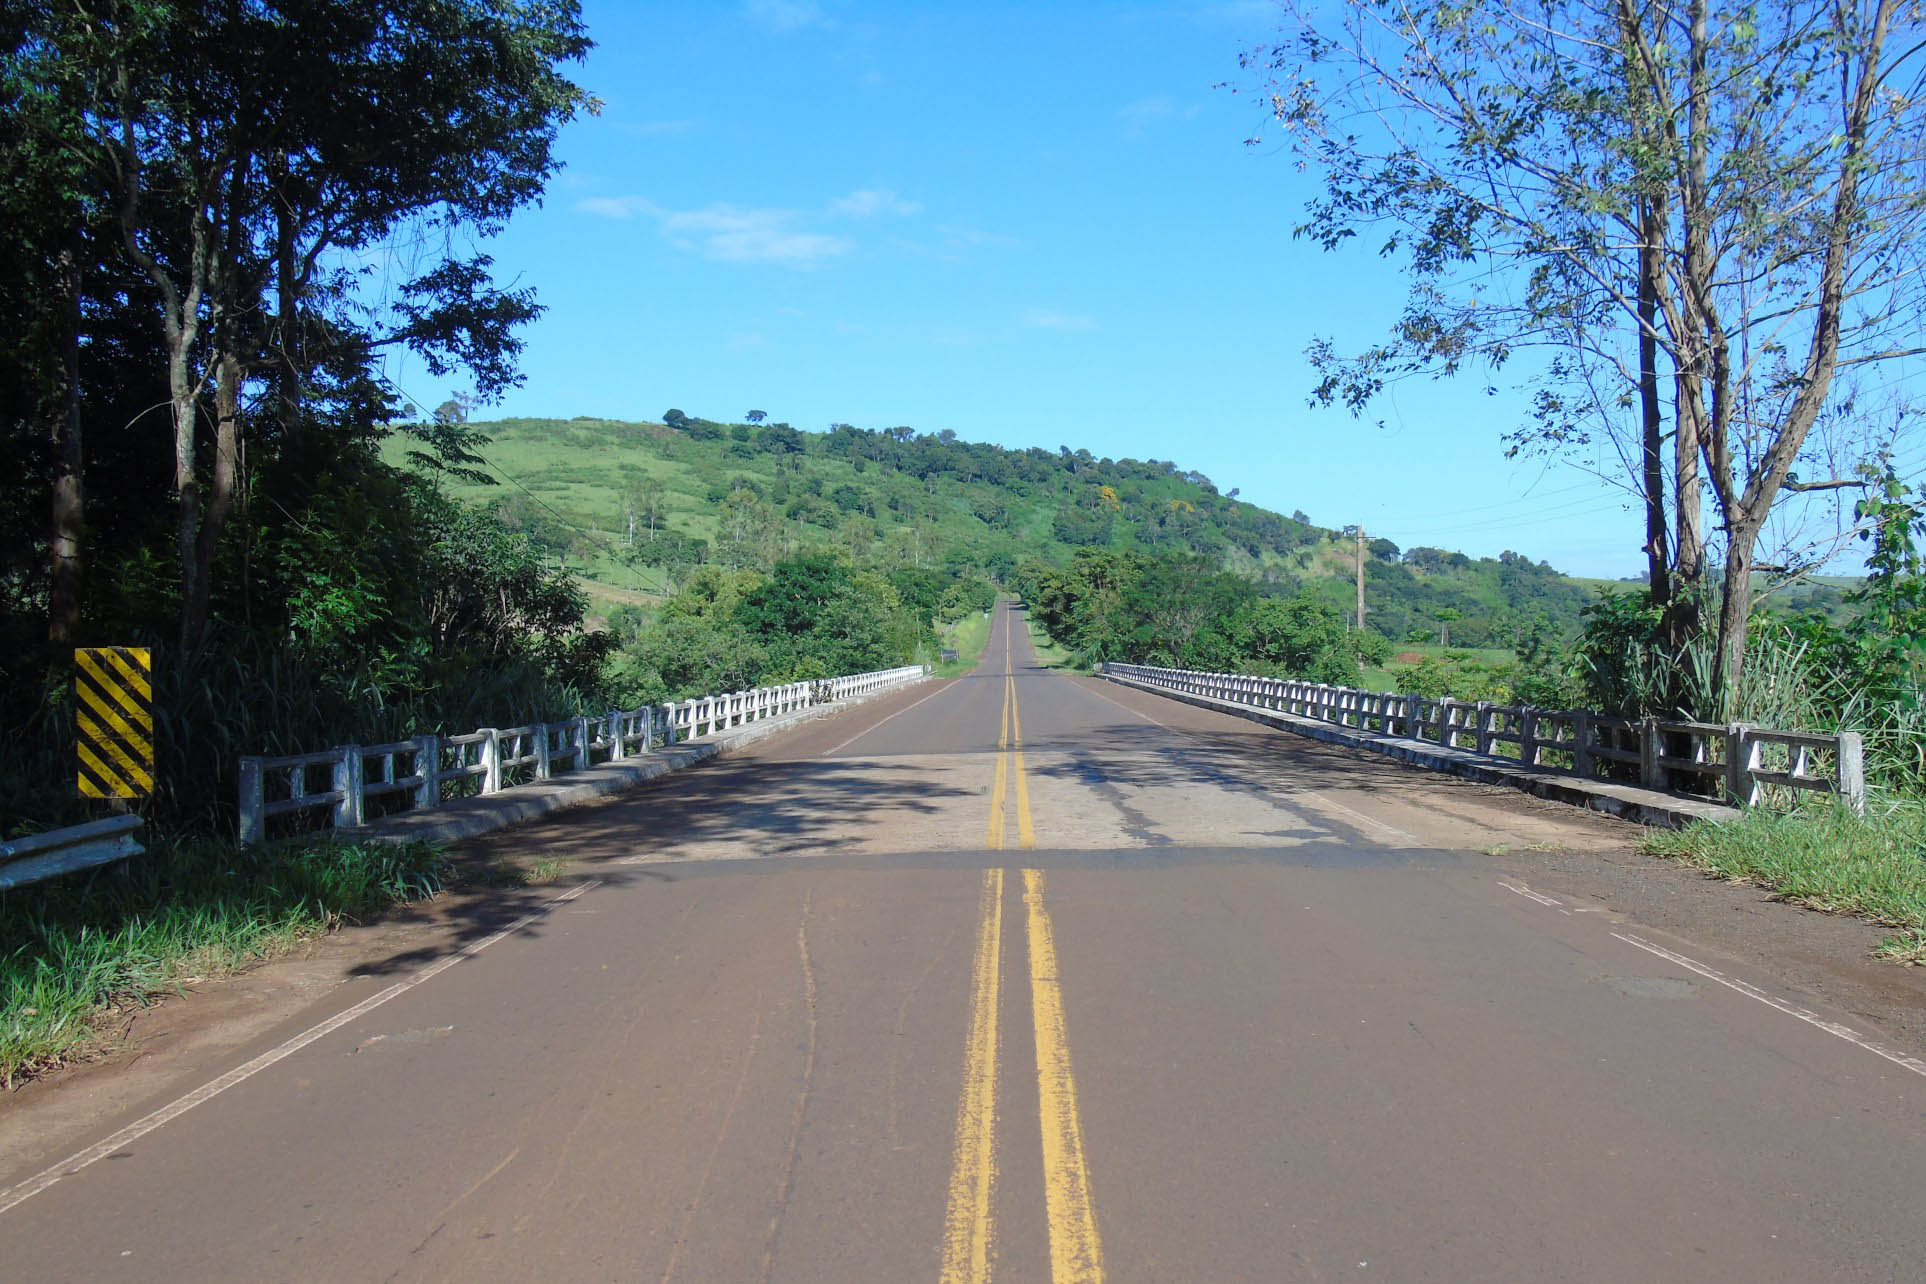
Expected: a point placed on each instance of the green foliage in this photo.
(1297, 637)
(808, 617)
(362, 606)
(194, 907)
(934, 500)
(1824, 857)
(1178, 611)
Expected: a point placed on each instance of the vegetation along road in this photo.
(1028, 977)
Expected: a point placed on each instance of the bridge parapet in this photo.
(336, 787)
(1745, 765)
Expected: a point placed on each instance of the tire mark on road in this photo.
(788, 1189)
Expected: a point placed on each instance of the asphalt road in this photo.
(1024, 977)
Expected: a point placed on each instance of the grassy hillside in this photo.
(633, 507)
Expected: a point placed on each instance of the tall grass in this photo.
(1824, 857)
(1787, 684)
(195, 908)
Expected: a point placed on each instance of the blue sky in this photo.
(1035, 224)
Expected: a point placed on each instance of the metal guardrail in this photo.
(336, 785)
(66, 851)
(1736, 760)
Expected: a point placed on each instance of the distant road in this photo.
(1030, 978)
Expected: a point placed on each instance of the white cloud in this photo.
(783, 15)
(616, 206)
(736, 235)
(1043, 319)
(869, 201)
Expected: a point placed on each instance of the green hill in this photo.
(634, 507)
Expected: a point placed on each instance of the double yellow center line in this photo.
(1076, 1253)
(1009, 755)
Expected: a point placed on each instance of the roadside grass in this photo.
(1053, 654)
(968, 636)
(546, 869)
(1823, 857)
(78, 948)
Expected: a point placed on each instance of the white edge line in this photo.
(1318, 799)
(1751, 991)
(1528, 894)
(941, 688)
(208, 1091)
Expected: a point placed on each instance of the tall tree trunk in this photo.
(1652, 416)
(1682, 618)
(187, 487)
(1744, 512)
(220, 500)
(287, 369)
(1735, 615)
(1683, 623)
(69, 495)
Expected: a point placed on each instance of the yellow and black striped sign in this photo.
(114, 716)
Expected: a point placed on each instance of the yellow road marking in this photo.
(1076, 1254)
(1009, 696)
(1026, 832)
(1011, 736)
(966, 1237)
(996, 801)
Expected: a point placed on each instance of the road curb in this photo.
(1627, 802)
(486, 813)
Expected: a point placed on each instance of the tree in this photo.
(756, 416)
(644, 502)
(780, 439)
(1638, 196)
(1446, 615)
(747, 532)
(250, 153)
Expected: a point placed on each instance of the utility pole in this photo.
(1360, 578)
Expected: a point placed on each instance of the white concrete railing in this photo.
(428, 770)
(65, 851)
(1737, 760)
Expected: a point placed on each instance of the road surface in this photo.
(1029, 978)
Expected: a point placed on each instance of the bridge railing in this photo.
(336, 787)
(1741, 763)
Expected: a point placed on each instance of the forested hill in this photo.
(635, 506)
